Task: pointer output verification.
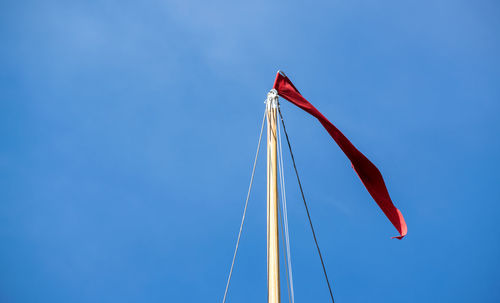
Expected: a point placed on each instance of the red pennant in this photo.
(367, 172)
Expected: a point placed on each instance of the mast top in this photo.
(272, 99)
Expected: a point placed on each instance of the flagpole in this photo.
(273, 278)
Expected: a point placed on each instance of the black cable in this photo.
(305, 204)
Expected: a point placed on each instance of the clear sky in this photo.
(128, 131)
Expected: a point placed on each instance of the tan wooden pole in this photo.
(273, 269)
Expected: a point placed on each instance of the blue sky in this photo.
(128, 131)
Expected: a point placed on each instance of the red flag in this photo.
(367, 172)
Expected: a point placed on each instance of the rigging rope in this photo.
(284, 256)
(245, 209)
(285, 219)
(305, 205)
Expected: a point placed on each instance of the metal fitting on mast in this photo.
(272, 99)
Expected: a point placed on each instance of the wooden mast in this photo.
(273, 270)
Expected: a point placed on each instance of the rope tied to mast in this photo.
(245, 209)
(305, 205)
(284, 221)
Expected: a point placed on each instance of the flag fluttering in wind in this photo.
(366, 170)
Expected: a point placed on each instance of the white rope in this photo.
(283, 249)
(245, 209)
(305, 206)
(285, 216)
